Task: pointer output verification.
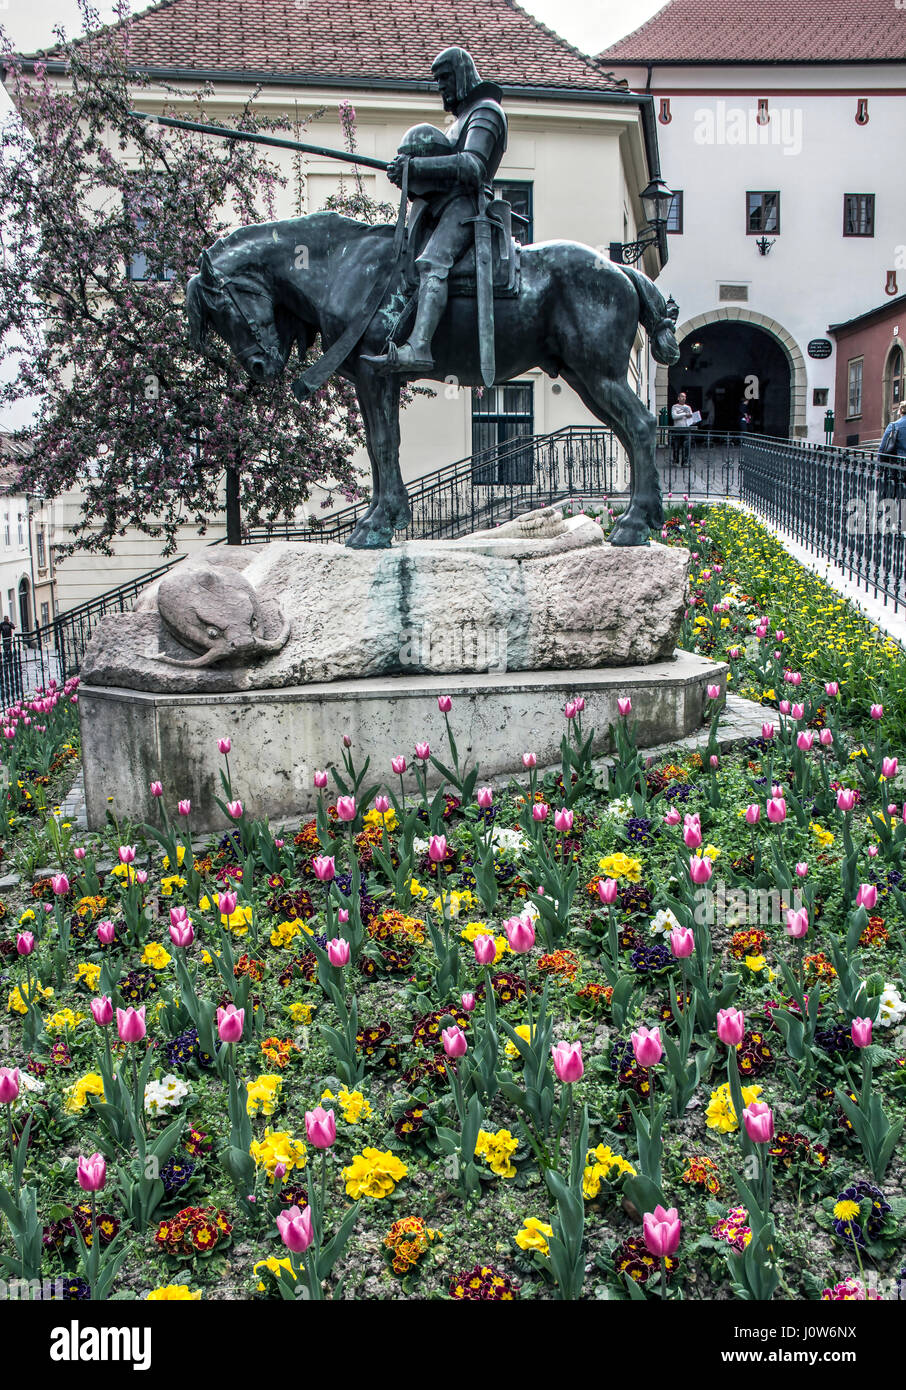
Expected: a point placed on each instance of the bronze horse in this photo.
(264, 288)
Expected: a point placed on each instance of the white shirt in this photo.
(682, 415)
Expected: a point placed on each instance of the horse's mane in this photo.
(332, 225)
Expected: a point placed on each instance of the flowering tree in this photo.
(102, 220)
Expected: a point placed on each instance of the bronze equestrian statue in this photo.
(485, 311)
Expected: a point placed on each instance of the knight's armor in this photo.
(451, 176)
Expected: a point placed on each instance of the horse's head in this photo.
(239, 306)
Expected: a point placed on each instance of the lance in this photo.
(253, 138)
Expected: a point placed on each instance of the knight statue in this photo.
(450, 178)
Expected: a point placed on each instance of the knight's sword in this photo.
(252, 137)
(484, 290)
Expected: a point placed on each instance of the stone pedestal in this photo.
(280, 736)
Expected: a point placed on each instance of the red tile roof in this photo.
(766, 31)
(369, 39)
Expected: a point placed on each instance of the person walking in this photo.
(6, 635)
(893, 443)
(681, 415)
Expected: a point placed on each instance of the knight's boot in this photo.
(414, 356)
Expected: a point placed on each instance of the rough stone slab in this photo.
(489, 602)
(9, 881)
(279, 737)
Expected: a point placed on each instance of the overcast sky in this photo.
(589, 24)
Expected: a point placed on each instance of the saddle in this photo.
(505, 266)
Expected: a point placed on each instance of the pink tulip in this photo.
(867, 896)
(714, 761)
(184, 808)
(178, 914)
(846, 799)
(398, 765)
(454, 1041)
(141, 876)
(423, 751)
(579, 702)
(468, 1002)
(784, 706)
(672, 817)
(795, 678)
(713, 692)
(540, 811)
(224, 745)
(569, 710)
(692, 832)
(731, 1026)
(826, 737)
(889, 767)
(804, 740)
(338, 952)
(700, 870)
(182, 933)
(485, 797)
(646, 1044)
(230, 1023)
(563, 820)
(759, 1122)
(777, 810)
(860, 1032)
(25, 943)
(60, 885)
(661, 1231)
(568, 1062)
(608, 888)
(444, 704)
(437, 849)
(130, 1024)
(157, 789)
(801, 869)
(753, 814)
(235, 809)
(227, 903)
(9, 1085)
(105, 933)
(296, 1230)
(831, 689)
(343, 916)
(682, 943)
(382, 804)
(797, 924)
(624, 705)
(346, 808)
(529, 761)
(767, 731)
(485, 950)
(520, 934)
(127, 854)
(780, 635)
(733, 653)
(102, 1011)
(798, 711)
(877, 711)
(79, 853)
(320, 778)
(347, 741)
(91, 1173)
(324, 866)
(321, 1127)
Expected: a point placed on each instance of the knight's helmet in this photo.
(464, 69)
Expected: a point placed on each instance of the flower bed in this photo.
(543, 1040)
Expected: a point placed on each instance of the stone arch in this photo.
(894, 357)
(741, 314)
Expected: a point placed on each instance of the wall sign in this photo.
(820, 347)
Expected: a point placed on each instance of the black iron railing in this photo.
(843, 505)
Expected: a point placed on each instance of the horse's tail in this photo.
(654, 318)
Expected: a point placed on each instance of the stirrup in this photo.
(390, 361)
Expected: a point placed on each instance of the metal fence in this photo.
(844, 505)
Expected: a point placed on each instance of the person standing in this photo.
(6, 634)
(681, 414)
(893, 443)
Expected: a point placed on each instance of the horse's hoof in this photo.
(369, 535)
(629, 531)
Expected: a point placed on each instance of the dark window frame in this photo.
(850, 363)
(762, 194)
(522, 232)
(870, 203)
(677, 207)
(517, 470)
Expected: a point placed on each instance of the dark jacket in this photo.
(894, 441)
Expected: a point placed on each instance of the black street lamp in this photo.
(656, 200)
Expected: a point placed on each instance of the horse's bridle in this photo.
(226, 287)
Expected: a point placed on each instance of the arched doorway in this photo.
(24, 605)
(732, 354)
(894, 382)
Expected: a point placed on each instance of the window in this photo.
(11, 601)
(42, 552)
(6, 534)
(819, 395)
(762, 213)
(854, 395)
(138, 267)
(858, 214)
(500, 417)
(21, 530)
(521, 199)
(137, 210)
(45, 614)
(675, 214)
(894, 382)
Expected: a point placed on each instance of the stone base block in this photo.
(131, 738)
